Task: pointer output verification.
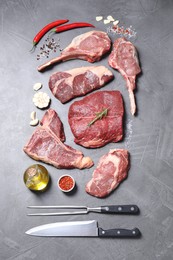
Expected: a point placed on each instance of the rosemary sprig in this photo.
(99, 115)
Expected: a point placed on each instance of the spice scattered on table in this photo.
(114, 28)
(49, 46)
(122, 31)
(45, 29)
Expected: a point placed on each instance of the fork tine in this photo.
(58, 213)
(57, 207)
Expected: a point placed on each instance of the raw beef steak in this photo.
(124, 58)
(46, 144)
(78, 82)
(108, 128)
(90, 46)
(111, 170)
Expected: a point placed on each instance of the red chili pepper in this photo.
(45, 29)
(71, 26)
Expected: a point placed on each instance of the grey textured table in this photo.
(148, 136)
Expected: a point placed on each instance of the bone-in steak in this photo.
(90, 46)
(105, 130)
(124, 58)
(111, 170)
(78, 82)
(46, 144)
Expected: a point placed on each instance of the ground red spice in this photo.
(66, 183)
(123, 32)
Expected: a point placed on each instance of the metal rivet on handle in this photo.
(133, 232)
(107, 208)
(132, 208)
(118, 232)
(103, 232)
(119, 208)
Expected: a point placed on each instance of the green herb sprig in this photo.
(99, 115)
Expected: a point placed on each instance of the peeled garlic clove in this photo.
(37, 86)
(106, 21)
(99, 18)
(110, 18)
(33, 115)
(34, 122)
(116, 22)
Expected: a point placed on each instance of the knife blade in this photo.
(81, 229)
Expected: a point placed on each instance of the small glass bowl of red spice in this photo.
(66, 183)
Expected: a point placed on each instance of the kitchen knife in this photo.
(81, 229)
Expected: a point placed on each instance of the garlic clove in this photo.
(99, 18)
(34, 122)
(106, 21)
(44, 95)
(41, 100)
(37, 86)
(33, 115)
(116, 22)
(110, 18)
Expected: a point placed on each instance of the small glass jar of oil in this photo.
(36, 177)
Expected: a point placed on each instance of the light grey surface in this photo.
(148, 136)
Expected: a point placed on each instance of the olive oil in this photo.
(36, 177)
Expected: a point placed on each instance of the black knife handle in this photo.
(119, 233)
(120, 209)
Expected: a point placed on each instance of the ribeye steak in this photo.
(78, 82)
(90, 46)
(46, 144)
(105, 130)
(111, 170)
(124, 58)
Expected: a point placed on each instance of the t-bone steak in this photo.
(46, 144)
(105, 130)
(90, 46)
(78, 82)
(111, 170)
(124, 58)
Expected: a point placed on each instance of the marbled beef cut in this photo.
(46, 145)
(90, 46)
(103, 131)
(124, 58)
(78, 82)
(111, 170)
